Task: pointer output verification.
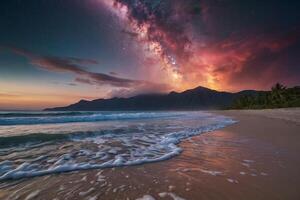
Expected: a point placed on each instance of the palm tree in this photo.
(278, 87)
(279, 97)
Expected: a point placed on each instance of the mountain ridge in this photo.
(196, 98)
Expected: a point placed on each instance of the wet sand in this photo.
(256, 158)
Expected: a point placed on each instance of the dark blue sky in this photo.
(60, 51)
(63, 28)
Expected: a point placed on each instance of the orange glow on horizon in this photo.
(39, 97)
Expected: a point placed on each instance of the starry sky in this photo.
(53, 53)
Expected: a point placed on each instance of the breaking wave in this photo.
(52, 148)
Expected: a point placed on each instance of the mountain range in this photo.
(197, 98)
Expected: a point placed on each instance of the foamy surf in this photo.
(68, 117)
(39, 148)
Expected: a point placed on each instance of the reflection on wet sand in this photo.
(232, 163)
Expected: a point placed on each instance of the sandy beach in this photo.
(255, 158)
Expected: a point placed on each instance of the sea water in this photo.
(41, 143)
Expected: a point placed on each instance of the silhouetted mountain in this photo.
(197, 98)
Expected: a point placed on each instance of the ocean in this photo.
(44, 143)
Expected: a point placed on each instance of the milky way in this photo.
(220, 44)
(54, 53)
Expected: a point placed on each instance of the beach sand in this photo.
(256, 158)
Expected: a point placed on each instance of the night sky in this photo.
(56, 52)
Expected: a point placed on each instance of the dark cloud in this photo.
(73, 65)
(82, 61)
(72, 84)
(113, 73)
(145, 88)
(84, 81)
(267, 67)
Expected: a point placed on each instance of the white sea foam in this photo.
(170, 194)
(89, 117)
(214, 173)
(146, 197)
(84, 193)
(232, 180)
(33, 195)
(93, 198)
(242, 173)
(249, 161)
(106, 144)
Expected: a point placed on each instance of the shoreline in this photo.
(256, 158)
